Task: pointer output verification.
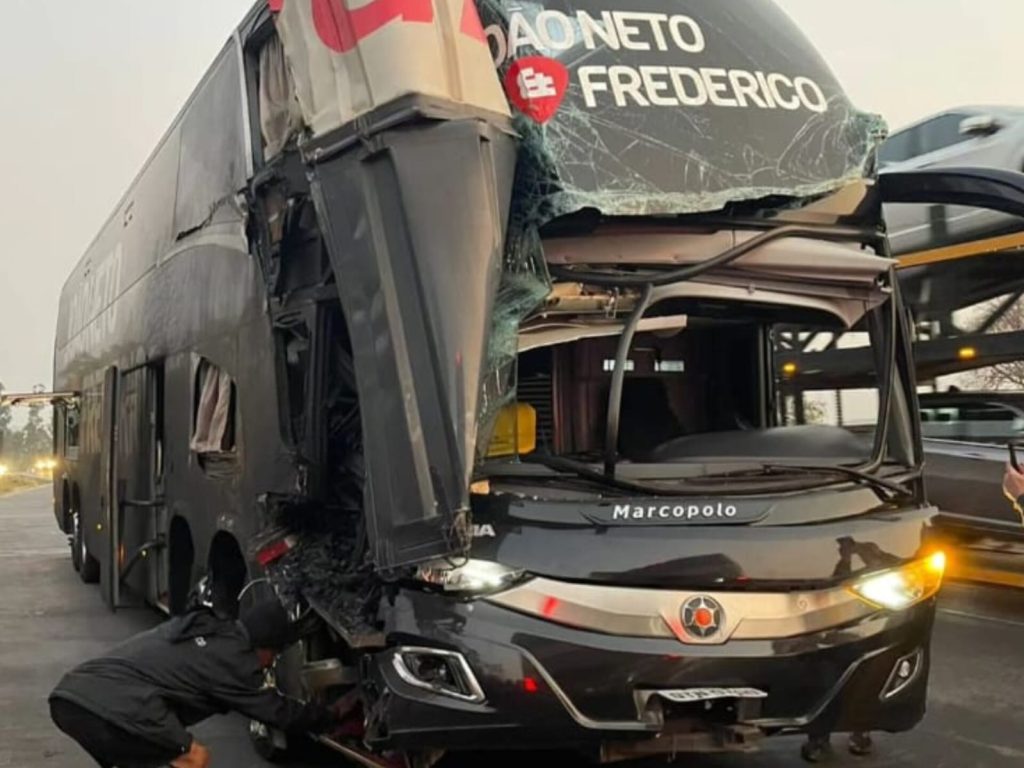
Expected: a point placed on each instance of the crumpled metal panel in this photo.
(415, 226)
(670, 106)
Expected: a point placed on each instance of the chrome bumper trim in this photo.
(658, 613)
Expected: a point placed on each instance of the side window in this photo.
(976, 422)
(941, 132)
(900, 147)
(988, 412)
(212, 157)
(214, 413)
(986, 422)
(940, 422)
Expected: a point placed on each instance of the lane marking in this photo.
(966, 615)
(34, 553)
(999, 749)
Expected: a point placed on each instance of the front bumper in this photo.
(550, 685)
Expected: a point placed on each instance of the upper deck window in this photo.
(212, 166)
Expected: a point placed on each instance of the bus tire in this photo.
(88, 566)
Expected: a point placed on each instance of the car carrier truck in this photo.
(457, 324)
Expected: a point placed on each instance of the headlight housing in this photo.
(471, 577)
(900, 588)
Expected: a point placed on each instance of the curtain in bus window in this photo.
(280, 116)
(213, 411)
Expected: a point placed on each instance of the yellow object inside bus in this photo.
(515, 432)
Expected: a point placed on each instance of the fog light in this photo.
(904, 672)
(443, 672)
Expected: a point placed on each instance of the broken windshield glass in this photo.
(670, 106)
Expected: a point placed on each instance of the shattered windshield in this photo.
(709, 387)
(670, 106)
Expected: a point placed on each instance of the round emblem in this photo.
(702, 617)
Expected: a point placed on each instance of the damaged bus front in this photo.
(570, 241)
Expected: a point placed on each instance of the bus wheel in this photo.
(88, 566)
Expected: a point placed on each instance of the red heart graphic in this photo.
(536, 86)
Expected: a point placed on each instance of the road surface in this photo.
(49, 621)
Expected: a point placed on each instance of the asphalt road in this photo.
(49, 621)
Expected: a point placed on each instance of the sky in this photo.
(89, 89)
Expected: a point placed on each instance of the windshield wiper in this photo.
(586, 472)
(897, 490)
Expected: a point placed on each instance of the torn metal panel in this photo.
(415, 224)
(671, 106)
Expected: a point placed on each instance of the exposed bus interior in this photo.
(702, 394)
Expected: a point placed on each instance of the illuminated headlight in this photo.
(3, 470)
(900, 588)
(472, 577)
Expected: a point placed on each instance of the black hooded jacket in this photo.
(189, 668)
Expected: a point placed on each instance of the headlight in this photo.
(3, 470)
(899, 588)
(473, 577)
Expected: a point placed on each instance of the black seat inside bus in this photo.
(647, 419)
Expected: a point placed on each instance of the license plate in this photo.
(685, 695)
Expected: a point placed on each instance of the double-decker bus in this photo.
(459, 324)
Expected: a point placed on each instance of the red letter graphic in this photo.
(341, 28)
(471, 26)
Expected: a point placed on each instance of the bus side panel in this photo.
(170, 280)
